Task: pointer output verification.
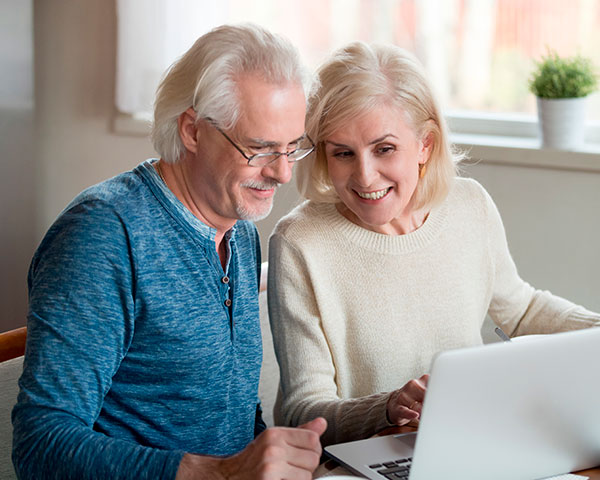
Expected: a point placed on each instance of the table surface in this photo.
(593, 473)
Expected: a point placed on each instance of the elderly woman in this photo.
(393, 258)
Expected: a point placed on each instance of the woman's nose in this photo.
(364, 171)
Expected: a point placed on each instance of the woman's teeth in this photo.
(374, 195)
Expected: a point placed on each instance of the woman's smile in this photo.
(376, 195)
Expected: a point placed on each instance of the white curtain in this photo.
(151, 35)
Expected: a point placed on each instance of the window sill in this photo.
(526, 152)
(130, 125)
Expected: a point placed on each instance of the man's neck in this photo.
(175, 178)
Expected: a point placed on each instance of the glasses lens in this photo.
(263, 159)
(299, 154)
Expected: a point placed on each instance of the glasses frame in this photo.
(275, 155)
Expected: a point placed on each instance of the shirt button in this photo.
(225, 279)
(228, 302)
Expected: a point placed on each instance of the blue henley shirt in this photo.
(133, 354)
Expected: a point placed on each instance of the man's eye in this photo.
(258, 148)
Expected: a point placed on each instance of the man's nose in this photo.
(279, 170)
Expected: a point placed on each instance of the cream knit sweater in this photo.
(356, 314)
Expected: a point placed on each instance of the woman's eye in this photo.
(385, 149)
(343, 154)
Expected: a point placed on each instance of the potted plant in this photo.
(561, 86)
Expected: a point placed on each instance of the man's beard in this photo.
(265, 207)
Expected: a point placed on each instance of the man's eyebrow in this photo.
(260, 141)
(270, 143)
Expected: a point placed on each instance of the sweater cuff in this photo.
(381, 406)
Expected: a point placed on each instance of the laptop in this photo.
(525, 409)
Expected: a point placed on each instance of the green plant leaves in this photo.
(557, 77)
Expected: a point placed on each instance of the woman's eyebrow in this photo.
(382, 138)
(336, 144)
(372, 142)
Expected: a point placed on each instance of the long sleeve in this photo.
(516, 306)
(80, 326)
(305, 360)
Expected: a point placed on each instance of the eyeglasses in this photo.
(305, 148)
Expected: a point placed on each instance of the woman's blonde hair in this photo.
(360, 78)
(205, 78)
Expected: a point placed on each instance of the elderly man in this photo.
(144, 347)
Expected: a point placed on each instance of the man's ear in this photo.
(188, 130)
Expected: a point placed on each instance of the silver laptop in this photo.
(526, 409)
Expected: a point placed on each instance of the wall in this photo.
(552, 226)
(75, 45)
(550, 216)
(18, 196)
(66, 143)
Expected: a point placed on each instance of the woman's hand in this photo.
(405, 404)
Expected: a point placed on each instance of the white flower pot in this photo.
(562, 122)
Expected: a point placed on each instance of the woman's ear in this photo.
(427, 143)
(188, 130)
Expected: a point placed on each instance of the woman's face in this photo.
(373, 163)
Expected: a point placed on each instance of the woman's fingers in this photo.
(405, 404)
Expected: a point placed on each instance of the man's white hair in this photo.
(205, 78)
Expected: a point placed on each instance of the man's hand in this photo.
(276, 454)
(405, 404)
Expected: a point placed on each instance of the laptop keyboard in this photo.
(394, 469)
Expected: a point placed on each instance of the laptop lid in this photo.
(523, 409)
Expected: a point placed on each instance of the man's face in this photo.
(225, 187)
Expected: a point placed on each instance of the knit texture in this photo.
(132, 357)
(356, 314)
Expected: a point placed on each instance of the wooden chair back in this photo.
(12, 343)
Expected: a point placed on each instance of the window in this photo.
(478, 53)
